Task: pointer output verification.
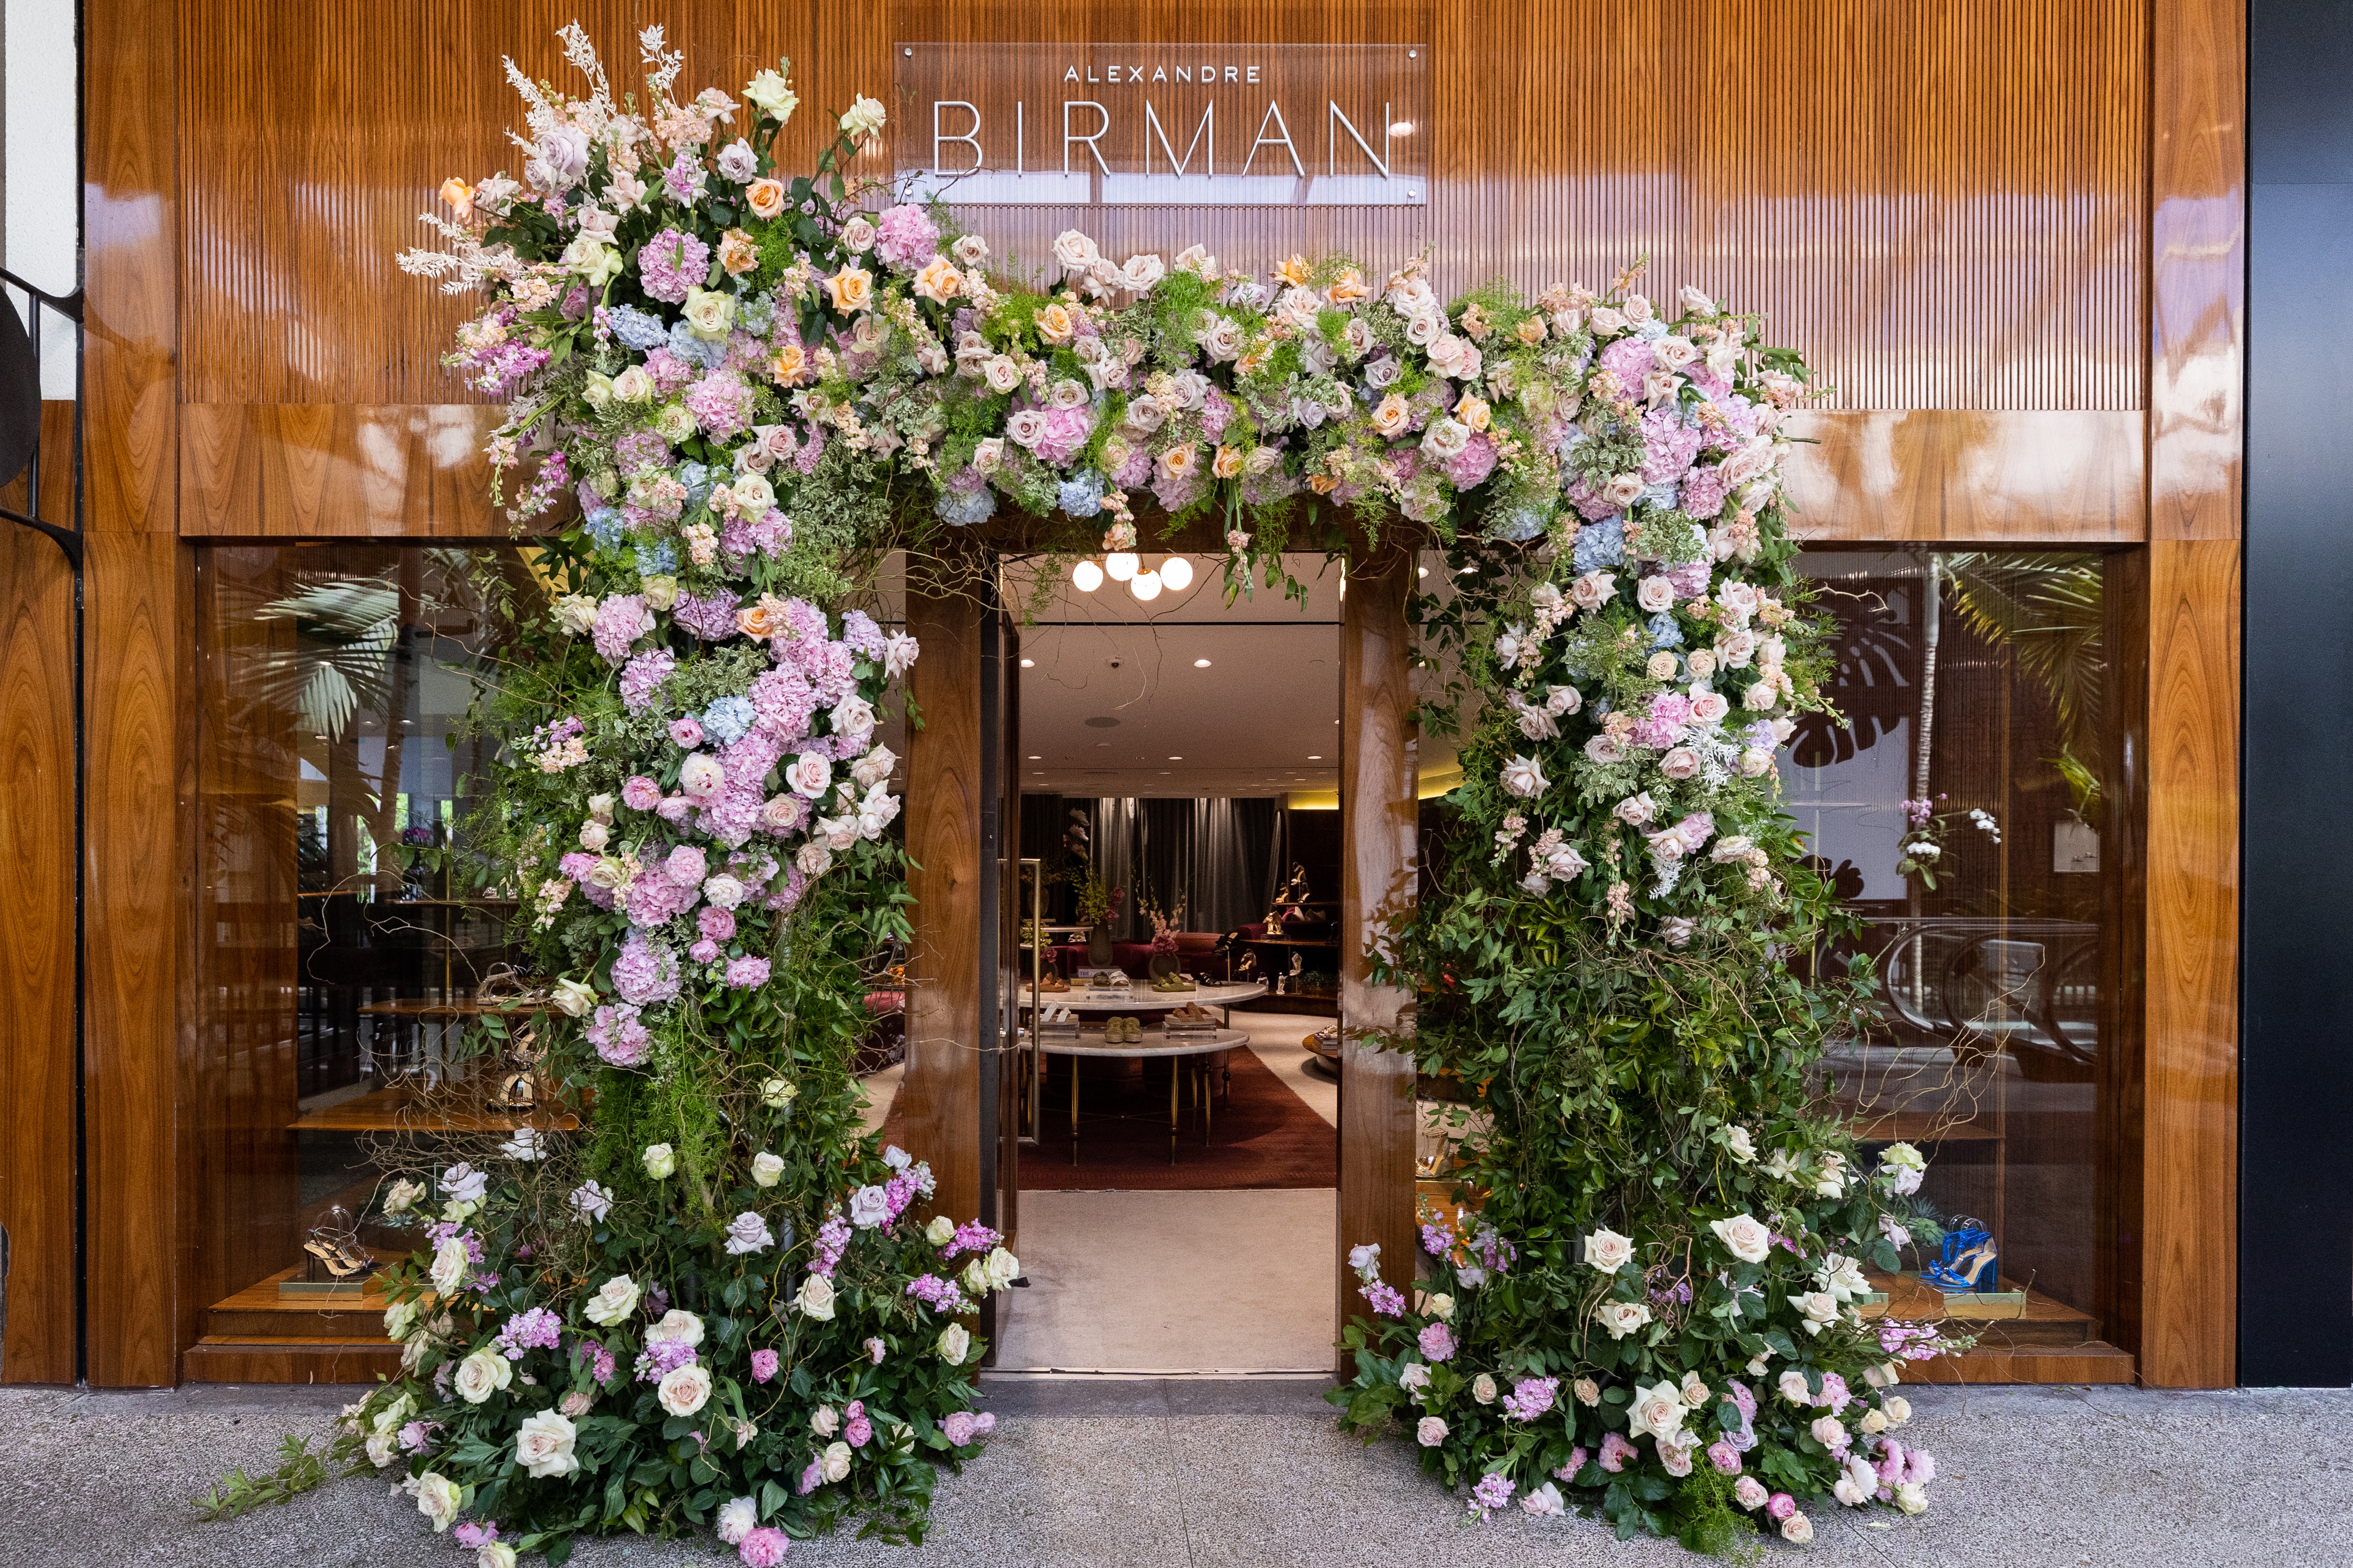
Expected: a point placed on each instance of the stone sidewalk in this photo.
(1185, 1472)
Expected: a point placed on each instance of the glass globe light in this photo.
(1086, 577)
(1176, 574)
(1119, 567)
(1145, 585)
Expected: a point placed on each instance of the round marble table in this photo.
(1160, 1043)
(1145, 999)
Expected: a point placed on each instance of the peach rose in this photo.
(1179, 461)
(1228, 464)
(737, 254)
(1295, 272)
(1055, 325)
(1531, 330)
(789, 367)
(1346, 289)
(460, 197)
(1473, 411)
(1390, 417)
(939, 281)
(765, 197)
(852, 288)
(752, 621)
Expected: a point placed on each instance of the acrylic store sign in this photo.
(1177, 125)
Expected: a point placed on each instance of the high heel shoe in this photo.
(1971, 1262)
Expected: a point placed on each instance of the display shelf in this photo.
(399, 1109)
(258, 1310)
(2045, 1323)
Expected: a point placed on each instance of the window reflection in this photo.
(1972, 683)
(345, 954)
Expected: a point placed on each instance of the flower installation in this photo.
(730, 390)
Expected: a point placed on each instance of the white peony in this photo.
(738, 1516)
(613, 1302)
(683, 1390)
(543, 1445)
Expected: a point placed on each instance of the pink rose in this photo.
(1679, 763)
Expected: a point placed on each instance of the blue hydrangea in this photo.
(1652, 331)
(1660, 495)
(658, 559)
(756, 313)
(728, 720)
(604, 526)
(961, 509)
(1664, 632)
(635, 329)
(1600, 544)
(694, 350)
(696, 477)
(1517, 527)
(1082, 495)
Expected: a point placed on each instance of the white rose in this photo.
(380, 1451)
(1912, 1497)
(826, 1421)
(769, 93)
(1441, 1306)
(1523, 778)
(1002, 1270)
(1745, 1236)
(403, 1195)
(1414, 1379)
(594, 835)
(814, 859)
(1873, 1423)
(1819, 1307)
(1899, 1410)
(834, 1463)
(1655, 594)
(1482, 1389)
(766, 1169)
(660, 1160)
(613, 1302)
(543, 1445)
(776, 1093)
(683, 1390)
(1657, 1411)
(1074, 252)
(1695, 1390)
(1608, 1251)
(954, 1340)
(481, 1375)
(438, 1499)
(1621, 1318)
(572, 998)
(1736, 1143)
(816, 1298)
(398, 1318)
(677, 1326)
(1430, 1432)
(450, 1266)
(809, 774)
(1759, 697)
(1829, 1431)
(709, 312)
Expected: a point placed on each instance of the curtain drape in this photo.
(1221, 859)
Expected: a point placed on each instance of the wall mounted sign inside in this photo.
(1164, 124)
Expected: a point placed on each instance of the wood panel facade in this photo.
(2006, 234)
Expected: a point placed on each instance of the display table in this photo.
(1176, 1048)
(1144, 999)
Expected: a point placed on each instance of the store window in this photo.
(1958, 813)
(341, 959)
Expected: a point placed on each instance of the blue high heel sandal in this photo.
(1970, 1260)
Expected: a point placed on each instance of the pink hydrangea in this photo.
(716, 924)
(722, 404)
(1703, 490)
(746, 973)
(783, 702)
(1668, 446)
(645, 972)
(621, 620)
(671, 263)
(641, 677)
(1630, 358)
(1471, 464)
(619, 1036)
(657, 900)
(711, 617)
(905, 237)
(670, 373)
(1066, 431)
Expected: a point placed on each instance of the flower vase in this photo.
(1163, 964)
(1099, 952)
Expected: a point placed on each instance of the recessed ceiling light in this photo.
(1036, 759)
(1201, 664)
(1176, 759)
(1314, 759)
(1029, 664)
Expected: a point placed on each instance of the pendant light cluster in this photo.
(1173, 572)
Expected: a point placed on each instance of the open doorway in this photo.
(1178, 765)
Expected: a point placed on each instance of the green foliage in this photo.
(299, 1470)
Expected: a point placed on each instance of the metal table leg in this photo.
(1175, 1064)
(1075, 1110)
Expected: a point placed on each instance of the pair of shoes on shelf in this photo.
(1123, 1032)
(1969, 1262)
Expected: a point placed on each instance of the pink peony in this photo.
(687, 866)
(686, 732)
(1780, 1505)
(745, 974)
(764, 1365)
(704, 952)
(764, 1547)
(641, 794)
(716, 924)
(958, 1427)
(1616, 1451)
(1569, 1471)
(1437, 1341)
(1724, 1457)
